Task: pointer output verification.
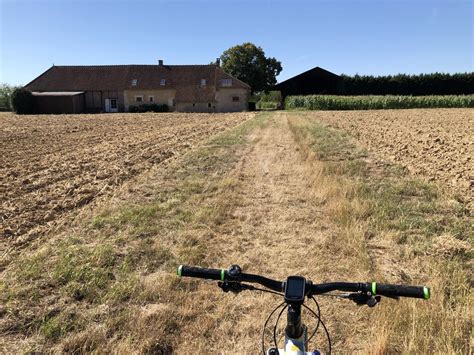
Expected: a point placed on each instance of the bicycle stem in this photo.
(294, 329)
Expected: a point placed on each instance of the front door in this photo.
(111, 105)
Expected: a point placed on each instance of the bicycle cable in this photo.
(265, 326)
(276, 326)
(263, 290)
(324, 326)
(317, 325)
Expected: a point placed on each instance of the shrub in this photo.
(5, 97)
(271, 96)
(22, 101)
(149, 108)
(267, 105)
(269, 100)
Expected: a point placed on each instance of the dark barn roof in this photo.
(312, 82)
(119, 77)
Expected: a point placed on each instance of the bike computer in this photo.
(295, 289)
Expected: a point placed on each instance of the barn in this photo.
(59, 101)
(316, 81)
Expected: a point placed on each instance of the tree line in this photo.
(403, 84)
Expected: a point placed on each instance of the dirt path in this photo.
(276, 209)
(278, 228)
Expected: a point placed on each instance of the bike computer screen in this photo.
(295, 289)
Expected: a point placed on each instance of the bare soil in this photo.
(53, 164)
(259, 196)
(437, 144)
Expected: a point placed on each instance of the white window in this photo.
(162, 82)
(134, 82)
(139, 98)
(203, 82)
(151, 99)
(226, 82)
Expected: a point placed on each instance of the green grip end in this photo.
(374, 288)
(178, 271)
(426, 293)
(222, 274)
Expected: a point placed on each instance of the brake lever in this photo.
(362, 299)
(234, 287)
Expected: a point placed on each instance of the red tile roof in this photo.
(186, 79)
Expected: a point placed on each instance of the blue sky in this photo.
(365, 37)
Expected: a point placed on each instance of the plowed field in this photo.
(279, 195)
(50, 165)
(434, 143)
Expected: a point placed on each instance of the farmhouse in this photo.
(116, 88)
(312, 82)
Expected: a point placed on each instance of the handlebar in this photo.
(225, 275)
(235, 275)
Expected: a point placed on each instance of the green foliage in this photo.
(270, 105)
(269, 100)
(22, 101)
(5, 96)
(149, 108)
(271, 96)
(403, 84)
(331, 102)
(248, 63)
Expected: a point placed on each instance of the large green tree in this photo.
(248, 63)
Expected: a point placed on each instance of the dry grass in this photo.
(403, 230)
(280, 194)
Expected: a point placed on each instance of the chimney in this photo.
(160, 62)
(218, 62)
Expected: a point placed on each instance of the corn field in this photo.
(333, 102)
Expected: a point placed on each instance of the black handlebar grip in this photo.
(202, 273)
(400, 290)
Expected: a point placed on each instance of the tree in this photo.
(248, 63)
(5, 96)
(22, 101)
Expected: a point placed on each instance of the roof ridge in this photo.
(305, 72)
(133, 65)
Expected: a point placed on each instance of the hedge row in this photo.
(403, 84)
(333, 102)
